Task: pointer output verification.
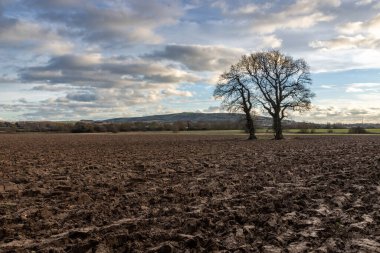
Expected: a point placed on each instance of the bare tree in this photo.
(234, 88)
(281, 84)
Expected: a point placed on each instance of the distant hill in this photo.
(190, 117)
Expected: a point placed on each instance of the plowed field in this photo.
(182, 193)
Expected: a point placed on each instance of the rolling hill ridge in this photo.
(190, 117)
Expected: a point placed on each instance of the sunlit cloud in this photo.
(364, 87)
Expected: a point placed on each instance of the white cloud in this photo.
(300, 15)
(363, 2)
(326, 86)
(348, 42)
(363, 87)
(342, 111)
(174, 92)
(282, 21)
(370, 27)
(247, 9)
(326, 60)
(354, 35)
(350, 27)
(228, 10)
(260, 22)
(15, 34)
(213, 109)
(310, 6)
(272, 41)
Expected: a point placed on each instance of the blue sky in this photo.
(83, 59)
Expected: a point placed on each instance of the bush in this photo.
(303, 131)
(330, 131)
(357, 130)
(81, 127)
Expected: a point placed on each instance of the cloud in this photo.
(52, 88)
(363, 87)
(326, 86)
(325, 60)
(363, 2)
(213, 109)
(340, 114)
(348, 42)
(23, 100)
(262, 26)
(82, 96)
(29, 35)
(356, 45)
(7, 80)
(245, 9)
(354, 35)
(300, 15)
(272, 41)
(309, 6)
(370, 27)
(179, 93)
(116, 23)
(73, 62)
(97, 71)
(283, 21)
(102, 84)
(84, 104)
(350, 28)
(199, 57)
(358, 112)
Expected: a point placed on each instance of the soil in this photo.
(100, 193)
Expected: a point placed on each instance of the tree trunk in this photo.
(250, 126)
(277, 127)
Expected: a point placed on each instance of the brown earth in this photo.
(182, 193)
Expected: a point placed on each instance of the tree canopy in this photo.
(275, 82)
(236, 93)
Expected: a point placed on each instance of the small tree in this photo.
(357, 130)
(236, 92)
(281, 84)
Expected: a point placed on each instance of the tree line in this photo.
(99, 127)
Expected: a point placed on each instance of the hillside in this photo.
(190, 116)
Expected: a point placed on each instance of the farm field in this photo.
(262, 131)
(189, 193)
(333, 131)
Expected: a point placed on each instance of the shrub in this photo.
(357, 130)
(303, 131)
(81, 127)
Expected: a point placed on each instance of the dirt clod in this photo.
(188, 193)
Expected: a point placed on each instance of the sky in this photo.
(90, 59)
